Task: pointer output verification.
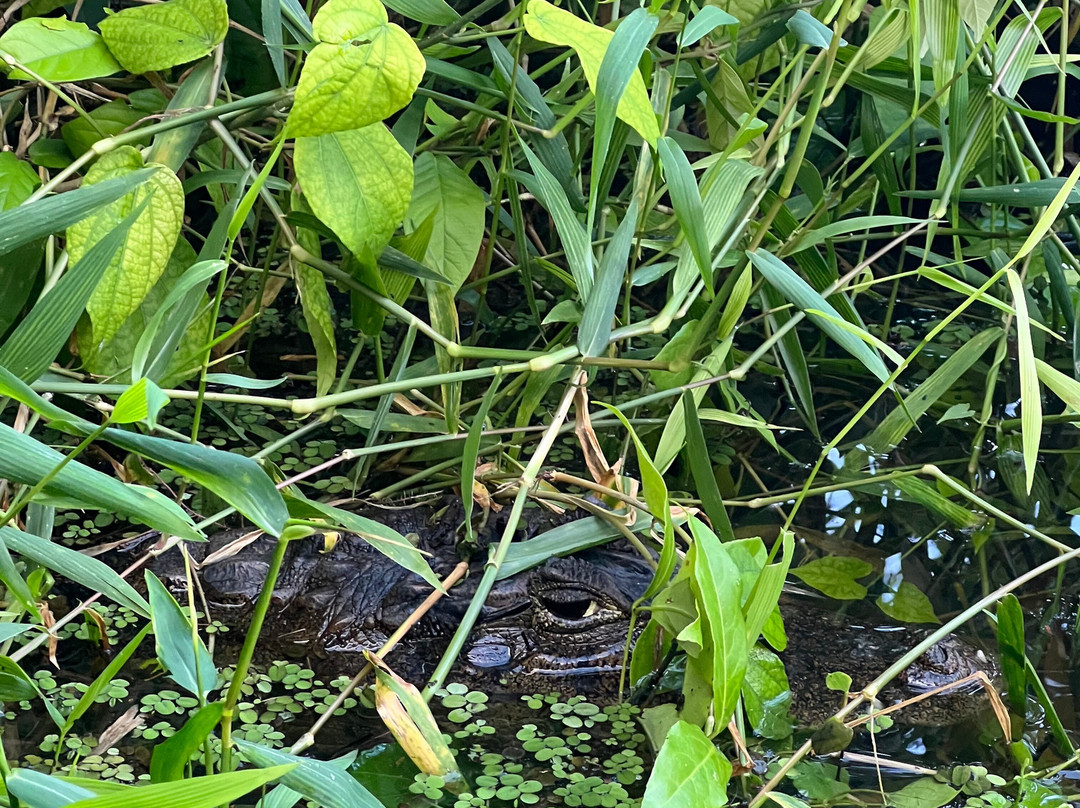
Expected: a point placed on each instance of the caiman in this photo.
(560, 627)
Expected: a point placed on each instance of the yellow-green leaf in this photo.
(445, 192)
(359, 182)
(689, 771)
(159, 36)
(57, 49)
(363, 70)
(146, 248)
(545, 22)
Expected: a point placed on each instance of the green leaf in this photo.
(445, 192)
(1012, 651)
(180, 650)
(799, 292)
(766, 694)
(363, 70)
(171, 756)
(169, 333)
(318, 314)
(908, 604)
(835, 576)
(79, 567)
(19, 269)
(173, 146)
(41, 335)
(810, 31)
(318, 780)
(720, 629)
(892, 429)
(433, 12)
(237, 479)
(142, 401)
(1030, 398)
(160, 36)
(197, 792)
(146, 247)
(926, 792)
(14, 688)
(108, 120)
(43, 217)
(25, 460)
(574, 237)
(104, 679)
(687, 202)
(358, 182)
(1033, 194)
(689, 772)
(702, 470)
(41, 790)
(13, 679)
(704, 22)
(838, 681)
(1048, 217)
(595, 329)
(547, 23)
(57, 49)
(1064, 387)
(854, 224)
(618, 68)
(579, 534)
(942, 21)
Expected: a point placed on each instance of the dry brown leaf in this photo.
(599, 468)
(118, 729)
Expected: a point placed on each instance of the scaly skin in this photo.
(561, 627)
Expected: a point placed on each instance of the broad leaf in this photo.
(148, 243)
(689, 772)
(363, 70)
(159, 36)
(548, 23)
(171, 756)
(445, 192)
(78, 567)
(318, 780)
(835, 576)
(359, 182)
(25, 460)
(57, 49)
(179, 648)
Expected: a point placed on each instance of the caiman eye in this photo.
(572, 608)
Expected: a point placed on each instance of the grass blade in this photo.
(595, 328)
(1030, 401)
(317, 780)
(687, 202)
(52, 214)
(799, 292)
(40, 336)
(619, 65)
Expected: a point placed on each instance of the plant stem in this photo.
(247, 653)
(491, 569)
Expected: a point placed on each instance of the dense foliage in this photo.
(710, 263)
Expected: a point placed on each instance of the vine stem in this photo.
(247, 653)
(491, 569)
(308, 738)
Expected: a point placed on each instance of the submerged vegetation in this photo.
(778, 291)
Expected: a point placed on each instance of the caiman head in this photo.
(569, 629)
